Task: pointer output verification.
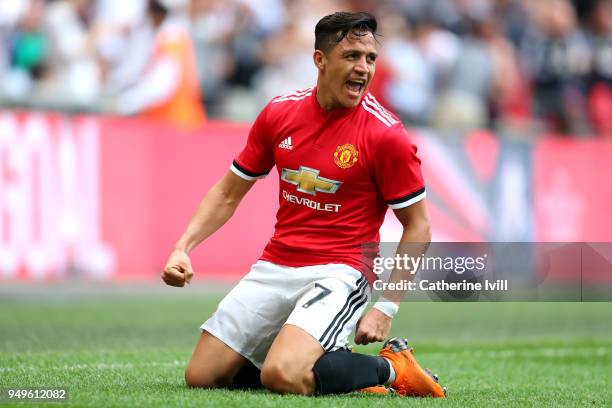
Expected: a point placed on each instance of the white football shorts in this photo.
(324, 300)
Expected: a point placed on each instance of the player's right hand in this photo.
(178, 269)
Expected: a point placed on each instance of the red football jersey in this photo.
(339, 171)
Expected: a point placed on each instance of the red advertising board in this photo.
(153, 178)
(573, 190)
(107, 197)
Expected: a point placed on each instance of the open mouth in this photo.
(355, 86)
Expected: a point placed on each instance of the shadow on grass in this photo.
(181, 388)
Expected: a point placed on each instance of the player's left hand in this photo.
(372, 327)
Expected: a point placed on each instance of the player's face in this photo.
(346, 70)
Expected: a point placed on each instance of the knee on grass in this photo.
(199, 378)
(280, 378)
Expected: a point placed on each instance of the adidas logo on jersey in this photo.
(286, 144)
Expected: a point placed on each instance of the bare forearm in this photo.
(375, 325)
(414, 242)
(214, 211)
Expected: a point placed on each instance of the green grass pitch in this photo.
(130, 350)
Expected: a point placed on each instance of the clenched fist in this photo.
(178, 269)
(374, 326)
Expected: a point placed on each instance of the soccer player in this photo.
(342, 160)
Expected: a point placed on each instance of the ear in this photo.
(319, 59)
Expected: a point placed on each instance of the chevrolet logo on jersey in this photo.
(308, 181)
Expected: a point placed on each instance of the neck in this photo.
(324, 97)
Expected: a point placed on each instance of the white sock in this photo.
(391, 374)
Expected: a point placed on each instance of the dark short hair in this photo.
(331, 29)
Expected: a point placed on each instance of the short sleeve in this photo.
(257, 158)
(397, 169)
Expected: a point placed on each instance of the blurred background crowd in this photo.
(531, 67)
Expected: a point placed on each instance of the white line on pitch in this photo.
(96, 366)
(507, 353)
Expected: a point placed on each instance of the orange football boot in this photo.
(378, 389)
(410, 379)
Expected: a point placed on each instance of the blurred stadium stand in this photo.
(509, 102)
(527, 66)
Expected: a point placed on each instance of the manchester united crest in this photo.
(346, 156)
